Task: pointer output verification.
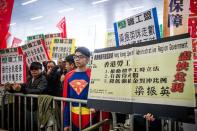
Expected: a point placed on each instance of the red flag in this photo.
(7, 35)
(4, 42)
(16, 42)
(62, 26)
(5, 17)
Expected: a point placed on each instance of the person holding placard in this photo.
(76, 85)
(35, 85)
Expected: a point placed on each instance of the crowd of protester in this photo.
(69, 79)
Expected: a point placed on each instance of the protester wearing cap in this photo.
(35, 85)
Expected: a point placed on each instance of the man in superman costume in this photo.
(76, 84)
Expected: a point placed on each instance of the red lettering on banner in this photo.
(182, 65)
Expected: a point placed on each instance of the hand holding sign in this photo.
(149, 117)
(16, 87)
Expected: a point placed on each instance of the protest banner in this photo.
(13, 69)
(35, 37)
(48, 40)
(139, 28)
(145, 77)
(61, 47)
(35, 51)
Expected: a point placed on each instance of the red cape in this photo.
(65, 94)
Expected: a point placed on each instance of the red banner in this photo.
(192, 29)
(192, 22)
(62, 27)
(16, 42)
(5, 39)
(5, 17)
(193, 8)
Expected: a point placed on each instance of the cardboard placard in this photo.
(35, 51)
(48, 40)
(139, 28)
(13, 69)
(175, 18)
(141, 79)
(61, 47)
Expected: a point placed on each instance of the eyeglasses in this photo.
(79, 56)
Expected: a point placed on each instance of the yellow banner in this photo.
(61, 47)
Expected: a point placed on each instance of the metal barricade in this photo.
(9, 111)
(166, 124)
(97, 125)
(22, 119)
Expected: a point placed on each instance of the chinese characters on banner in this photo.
(192, 29)
(159, 74)
(175, 19)
(10, 51)
(35, 51)
(181, 68)
(139, 28)
(48, 40)
(13, 69)
(35, 37)
(61, 47)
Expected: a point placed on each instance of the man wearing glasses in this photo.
(76, 84)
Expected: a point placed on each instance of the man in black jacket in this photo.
(35, 85)
(37, 82)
